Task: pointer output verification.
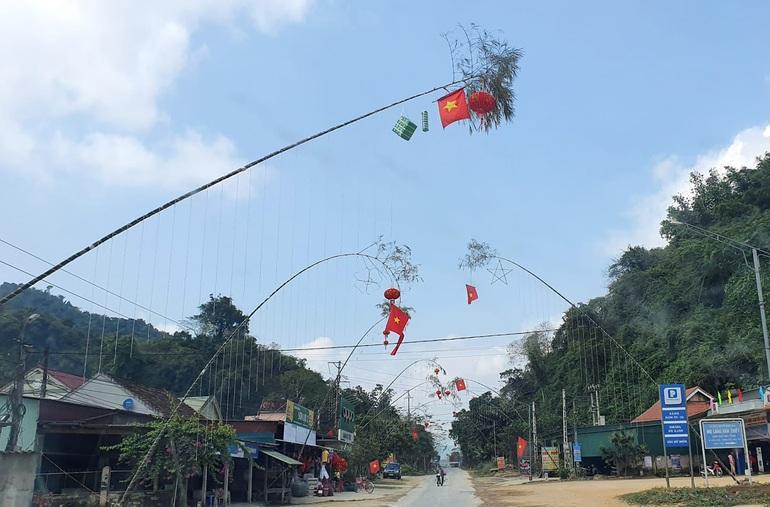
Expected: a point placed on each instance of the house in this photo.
(106, 392)
(205, 406)
(698, 404)
(58, 383)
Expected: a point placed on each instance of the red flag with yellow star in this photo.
(460, 384)
(453, 107)
(473, 294)
(397, 319)
(521, 446)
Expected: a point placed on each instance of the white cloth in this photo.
(323, 474)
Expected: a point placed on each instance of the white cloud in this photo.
(96, 70)
(184, 160)
(672, 177)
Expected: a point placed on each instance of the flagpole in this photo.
(56, 267)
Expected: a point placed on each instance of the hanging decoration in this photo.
(436, 371)
(405, 128)
(392, 294)
(397, 320)
(425, 121)
(482, 103)
(453, 107)
(447, 392)
(472, 293)
(460, 384)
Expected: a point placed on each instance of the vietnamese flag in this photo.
(473, 294)
(521, 446)
(453, 107)
(460, 384)
(397, 319)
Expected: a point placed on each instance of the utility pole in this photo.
(574, 432)
(530, 440)
(534, 434)
(44, 385)
(409, 406)
(761, 308)
(494, 436)
(17, 398)
(565, 438)
(338, 364)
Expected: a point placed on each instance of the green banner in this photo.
(299, 415)
(347, 416)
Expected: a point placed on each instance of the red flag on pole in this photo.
(453, 107)
(521, 447)
(397, 319)
(473, 294)
(460, 384)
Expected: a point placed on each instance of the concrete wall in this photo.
(28, 433)
(17, 478)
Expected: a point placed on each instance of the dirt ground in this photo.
(605, 492)
(386, 493)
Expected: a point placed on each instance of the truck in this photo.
(454, 459)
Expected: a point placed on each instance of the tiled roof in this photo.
(69, 380)
(694, 407)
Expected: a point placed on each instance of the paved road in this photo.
(456, 491)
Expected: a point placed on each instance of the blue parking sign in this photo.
(673, 408)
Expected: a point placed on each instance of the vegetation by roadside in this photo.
(702, 497)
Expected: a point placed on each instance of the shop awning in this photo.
(280, 457)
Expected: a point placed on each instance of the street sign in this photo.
(577, 452)
(722, 434)
(673, 406)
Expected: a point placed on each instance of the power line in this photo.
(93, 284)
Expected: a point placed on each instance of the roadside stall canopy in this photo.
(280, 457)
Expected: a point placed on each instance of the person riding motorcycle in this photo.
(440, 473)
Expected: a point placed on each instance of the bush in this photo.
(409, 470)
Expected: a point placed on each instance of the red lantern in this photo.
(481, 103)
(447, 392)
(436, 371)
(385, 342)
(438, 393)
(392, 294)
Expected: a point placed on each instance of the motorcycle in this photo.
(439, 479)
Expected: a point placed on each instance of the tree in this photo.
(184, 448)
(624, 453)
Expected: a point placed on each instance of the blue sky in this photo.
(617, 101)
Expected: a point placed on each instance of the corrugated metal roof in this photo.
(280, 457)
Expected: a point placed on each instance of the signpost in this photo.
(673, 422)
(577, 452)
(724, 434)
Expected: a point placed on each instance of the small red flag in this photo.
(397, 319)
(374, 467)
(453, 107)
(460, 384)
(473, 294)
(521, 446)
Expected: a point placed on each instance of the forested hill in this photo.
(63, 327)
(688, 312)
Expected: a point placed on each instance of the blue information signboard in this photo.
(673, 406)
(577, 452)
(724, 434)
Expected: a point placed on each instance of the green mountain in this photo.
(687, 312)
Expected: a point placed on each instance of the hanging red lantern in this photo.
(436, 371)
(385, 342)
(392, 294)
(481, 103)
(438, 393)
(447, 392)
(427, 424)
